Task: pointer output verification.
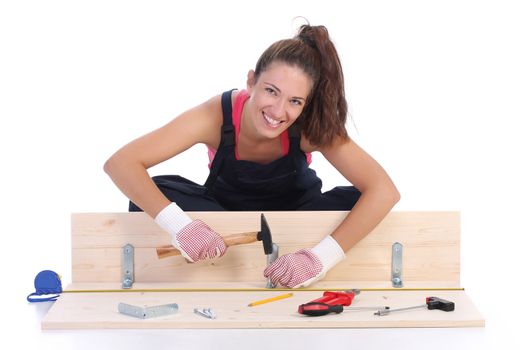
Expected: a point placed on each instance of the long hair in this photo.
(323, 118)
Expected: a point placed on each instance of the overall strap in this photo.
(227, 140)
(294, 135)
(299, 157)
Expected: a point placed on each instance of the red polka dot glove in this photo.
(193, 238)
(306, 266)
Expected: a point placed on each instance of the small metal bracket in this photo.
(147, 312)
(397, 265)
(127, 266)
(270, 258)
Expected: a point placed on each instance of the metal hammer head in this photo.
(265, 236)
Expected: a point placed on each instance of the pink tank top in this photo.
(238, 105)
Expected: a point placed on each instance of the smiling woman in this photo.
(278, 95)
(259, 141)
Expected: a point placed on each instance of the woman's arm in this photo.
(128, 166)
(378, 196)
(378, 192)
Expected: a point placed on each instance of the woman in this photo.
(260, 141)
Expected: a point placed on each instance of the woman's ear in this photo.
(250, 81)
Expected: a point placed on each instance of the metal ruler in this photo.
(144, 290)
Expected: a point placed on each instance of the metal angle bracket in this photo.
(397, 265)
(148, 311)
(270, 258)
(128, 252)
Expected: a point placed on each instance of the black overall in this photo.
(286, 183)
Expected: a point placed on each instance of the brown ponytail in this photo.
(324, 116)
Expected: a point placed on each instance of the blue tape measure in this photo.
(46, 282)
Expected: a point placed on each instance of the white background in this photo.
(436, 90)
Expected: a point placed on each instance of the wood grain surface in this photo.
(430, 240)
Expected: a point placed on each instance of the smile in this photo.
(270, 121)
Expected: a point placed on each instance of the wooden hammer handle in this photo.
(235, 239)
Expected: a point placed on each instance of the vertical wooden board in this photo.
(430, 239)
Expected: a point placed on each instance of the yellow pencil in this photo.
(269, 300)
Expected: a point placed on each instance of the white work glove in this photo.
(302, 268)
(193, 238)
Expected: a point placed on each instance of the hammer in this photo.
(270, 248)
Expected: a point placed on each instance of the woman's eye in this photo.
(296, 102)
(270, 91)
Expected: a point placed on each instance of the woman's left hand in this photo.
(295, 270)
(306, 266)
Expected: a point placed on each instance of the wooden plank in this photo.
(430, 239)
(99, 311)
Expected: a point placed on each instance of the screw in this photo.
(202, 313)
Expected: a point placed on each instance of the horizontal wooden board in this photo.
(99, 310)
(430, 239)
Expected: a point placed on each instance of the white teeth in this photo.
(271, 121)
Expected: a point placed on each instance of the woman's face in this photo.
(277, 98)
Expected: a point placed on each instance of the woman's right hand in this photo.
(197, 241)
(193, 238)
